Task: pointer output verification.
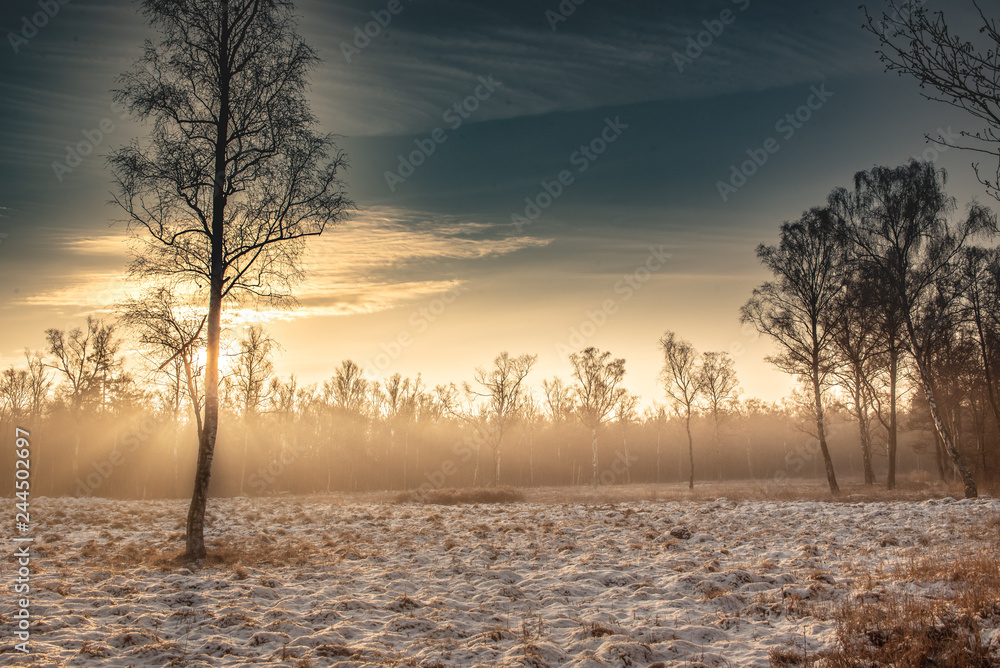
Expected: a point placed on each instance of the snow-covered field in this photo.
(377, 584)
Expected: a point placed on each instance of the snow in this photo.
(527, 584)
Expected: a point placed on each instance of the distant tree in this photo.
(919, 43)
(682, 381)
(596, 393)
(39, 384)
(251, 372)
(501, 387)
(560, 409)
(348, 388)
(750, 413)
(858, 354)
(234, 178)
(798, 309)
(15, 394)
(87, 361)
(626, 414)
(720, 389)
(529, 417)
(657, 416)
(896, 221)
(171, 337)
(401, 409)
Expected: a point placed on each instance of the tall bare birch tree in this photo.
(232, 177)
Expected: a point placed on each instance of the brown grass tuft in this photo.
(914, 632)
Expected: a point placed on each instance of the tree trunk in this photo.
(988, 370)
(195, 538)
(749, 460)
(831, 477)
(718, 444)
(890, 480)
(861, 413)
(687, 426)
(657, 454)
(593, 455)
(971, 491)
(496, 466)
(246, 451)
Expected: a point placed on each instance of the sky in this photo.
(535, 177)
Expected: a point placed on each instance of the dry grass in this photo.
(744, 490)
(908, 631)
(228, 553)
(454, 497)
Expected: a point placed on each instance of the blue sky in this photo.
(436, 260)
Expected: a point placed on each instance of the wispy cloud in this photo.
(381, 259)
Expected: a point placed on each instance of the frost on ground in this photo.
(326, 584)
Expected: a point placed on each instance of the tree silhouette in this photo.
(682, 381)
(250, 373)
(920, 44)
(86, 361)
(798, 309)
(233, 178)
(597, 391)
(896, 221)
(720, 388)
(503, 393)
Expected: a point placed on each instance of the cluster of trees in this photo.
(878, 283)
(102, 429)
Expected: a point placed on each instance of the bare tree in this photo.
(39, 384)
(720, 389)
(171, 336)
(896, 220)
(682, 382)
(626, 414)
(401, 408)
(597, 391)
(859, 348)
(86, 360)
(503, 393)
(559, 405)
(949, 69)
(348, 387)
(657, 415)
(250, 375)
(15, 393)
(234, 178)
(981, 292)
(798, 309)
